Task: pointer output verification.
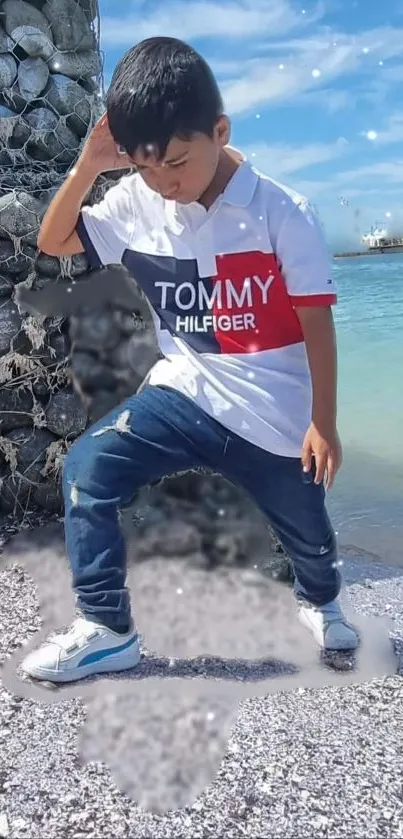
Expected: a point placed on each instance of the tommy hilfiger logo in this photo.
(223, 299)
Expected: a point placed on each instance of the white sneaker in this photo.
(328, 625)
(85, 649)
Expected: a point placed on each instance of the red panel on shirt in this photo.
(306, 300)
(275, 323)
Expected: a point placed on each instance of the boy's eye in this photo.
(177, 165)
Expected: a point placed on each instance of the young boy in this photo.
(237, 273)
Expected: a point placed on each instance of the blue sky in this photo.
(314, 92)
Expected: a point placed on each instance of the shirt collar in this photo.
(238, 192)
(241, 188)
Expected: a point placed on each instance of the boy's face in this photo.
(188, 167)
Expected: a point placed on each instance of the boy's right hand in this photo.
(100, 152)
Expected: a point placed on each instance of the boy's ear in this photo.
(223, 130)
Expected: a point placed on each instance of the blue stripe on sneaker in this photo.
(92, 658)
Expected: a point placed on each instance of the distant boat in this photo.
(377, 240)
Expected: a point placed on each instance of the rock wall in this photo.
(50, 97)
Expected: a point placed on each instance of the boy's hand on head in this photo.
(324, 447)
(100, 152)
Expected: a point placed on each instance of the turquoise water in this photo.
(367, 501)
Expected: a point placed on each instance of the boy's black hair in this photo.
(161, 88)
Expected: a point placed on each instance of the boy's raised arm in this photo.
(58, 235)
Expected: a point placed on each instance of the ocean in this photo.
(366, 503)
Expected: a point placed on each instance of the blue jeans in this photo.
(156, 433)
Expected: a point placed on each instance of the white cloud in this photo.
(328, 99)
(247, 40)
(194, 19)
(261, 82)
(281, 160)
(387, 171)
(393, 133)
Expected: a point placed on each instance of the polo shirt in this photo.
(223, 285)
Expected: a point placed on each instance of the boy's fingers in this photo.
(306, 458)
(320, 460)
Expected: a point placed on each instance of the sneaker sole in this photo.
(112, 664)
(342, 647)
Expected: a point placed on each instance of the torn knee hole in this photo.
(121, 425)
(74, 495)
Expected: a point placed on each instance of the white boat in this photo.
(377, 239)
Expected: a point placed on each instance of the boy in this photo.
(236, 271)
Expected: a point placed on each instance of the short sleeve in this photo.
(304, 259)
(105, 229)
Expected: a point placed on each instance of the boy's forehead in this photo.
(150, 155)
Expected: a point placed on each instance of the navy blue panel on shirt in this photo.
(90, 252)
(161, 278)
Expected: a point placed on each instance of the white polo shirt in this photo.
(223, 285)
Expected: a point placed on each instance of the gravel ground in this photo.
(317, 755)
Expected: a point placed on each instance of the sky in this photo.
(313, 90)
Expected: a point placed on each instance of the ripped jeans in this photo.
(157, 433)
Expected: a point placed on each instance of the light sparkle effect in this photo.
(316, 73)
(372, 135)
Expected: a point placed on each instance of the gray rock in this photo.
(33, 41)
(33, 74)
(90, 8)
(13, 99)
(7, 113)
(76, 65)
(6, 43)
(42, 119)
(48, 496)
(6, 286)
(5, 159)
(65, 414)
(14, 131)
(14, 494)
(32, 444)
(18, 13)
(15, 408)
(47, 265)
(51, 139)
(20, 215)
(77, 265)
(14, 263)
(10, 325)
(7, 251)
(70, 26)
(8, 70)
(69, 99)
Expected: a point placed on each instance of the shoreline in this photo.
(372, 252)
